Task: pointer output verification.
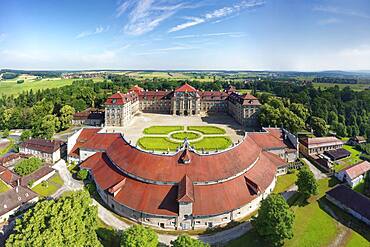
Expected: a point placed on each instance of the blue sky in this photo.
(305, 35)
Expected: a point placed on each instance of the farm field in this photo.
(355, 87)
(167, 75)
(11, 87)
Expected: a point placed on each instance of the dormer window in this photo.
(114, 101)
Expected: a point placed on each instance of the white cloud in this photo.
(228, 34)
(98, 30)
(329, 21)
(218, 13)
(341, 11)
(194, 21)
(145, 15)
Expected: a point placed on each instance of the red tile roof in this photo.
(185, 190)
(168, 181)
(8, 176)
(120, 98)
(163, 199)
(185, 88)
(85, 135)
(358, 169)
(42, 145)
(321, 141)
(167, 168)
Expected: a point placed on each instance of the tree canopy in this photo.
(27, 166)
(187, 241)
(68, 221)
(138, 236)
(306, 182)
(275, 220)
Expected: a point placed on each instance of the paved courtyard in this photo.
(134, 131)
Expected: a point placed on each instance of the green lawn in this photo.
(351, 160)
(284, 182)
(53, 184)
(157, 143)
(188, 135)
(56, 179)
(212, 143)
(8, 147)
(162, 130)
(163, 143)
(312, 227)
(3, 187)
(48, 190)
(207, 130)
(11, 87)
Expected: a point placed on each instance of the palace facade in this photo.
(184, 101)
(188, 189)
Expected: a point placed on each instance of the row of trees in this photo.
(343, 111)
(72, 220)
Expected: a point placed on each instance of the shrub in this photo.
(137, 236)
(26, 167)
(82, 174)
(20, 81)
(6, 133)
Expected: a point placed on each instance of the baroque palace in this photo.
(185, 101)
(187, 189)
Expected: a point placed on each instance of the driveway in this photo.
(70, 184)
(316, 172)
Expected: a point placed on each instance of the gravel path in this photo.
(316, 172)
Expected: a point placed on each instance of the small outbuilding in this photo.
(356, 140)
(337, 154)
(350, 201)
(353, 174)
(49, 150)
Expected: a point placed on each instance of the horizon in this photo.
(186, 35)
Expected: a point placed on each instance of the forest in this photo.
(295, 105)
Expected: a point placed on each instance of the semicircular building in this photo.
(186, 190)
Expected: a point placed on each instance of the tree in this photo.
(300, 110)
(82, 174)
(341, 130)
(66, 116)
(27, 166)
(27, 134)
(48, 127)
(137, 236)
(274, 220)
(187, 241)
(5, 133)
(306, 182)
(68, 221)
(319, 126)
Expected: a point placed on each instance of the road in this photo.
(316, 172)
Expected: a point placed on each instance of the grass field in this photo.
(3, 187)
(351, 160)
(53, 184)
(157, 144)
(11, 87)
(212, 143)
(285, 181)
(207, 130)
(162, 130)
(313, 226)
(355, 87)
(8, 147)
(188, 135)
(164, 144)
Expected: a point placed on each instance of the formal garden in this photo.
(171, 138)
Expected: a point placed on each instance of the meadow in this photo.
(355, 87)
(11, 87)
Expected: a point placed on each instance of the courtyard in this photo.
(166, 133)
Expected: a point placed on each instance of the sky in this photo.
(299, 35)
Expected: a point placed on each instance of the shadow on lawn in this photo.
(344, 218)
